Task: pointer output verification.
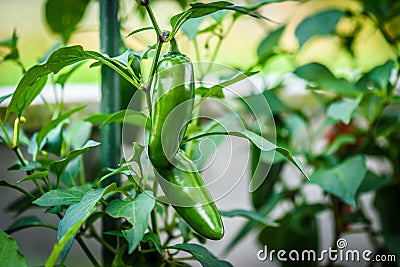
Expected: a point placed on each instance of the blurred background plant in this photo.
(329, 71)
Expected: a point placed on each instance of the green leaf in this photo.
(118, 259)
(325, 80)
(63, 77)
(201, 254)
(77, 133)
(122, 169)
(63, 242)
(250, 215)
(64, 196)
(139, 30)
(389, 121)
(34, 79)
(323, 23)
(11, 44)
(54, 140)
(373, 182)
(198, 10)
(54, 123)
(261, 3)
(34, 176)
(127, 116)
(5, 97)
(75, 216)
(264, 210)
(343, 110)
(269, 44)
(216, 90)
(22, 99)
(259, 141)
(20, 189)
(63, 16)
(343, 180)
(378, 78)
(26, 222)
(71, 172)
(296, 162)
(155, 239)
(191, 28)
(58, 167)
(257, 103)
(9, 254)
(136, 212)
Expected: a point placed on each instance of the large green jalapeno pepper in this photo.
(172, 97)
(184, 188)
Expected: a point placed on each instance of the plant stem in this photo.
(185, 259)
(153, 19)
(87, 251)
(82, 176)
(218, 46)
(102, 241)
(20, 157)
(152, 73)
(154, 225)
(8, 138)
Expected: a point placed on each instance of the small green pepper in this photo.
(184, 188)
(172, 96)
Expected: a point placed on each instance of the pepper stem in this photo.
(174, 49)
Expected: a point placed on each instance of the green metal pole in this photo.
(110, 102)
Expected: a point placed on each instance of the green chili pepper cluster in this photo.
(173, 97)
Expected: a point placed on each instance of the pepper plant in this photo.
(355, 122)
(56, 168)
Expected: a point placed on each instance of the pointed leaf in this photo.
(26, 222)
(155, 239)
(325, 80)
(343, 110)
(269, 44)
(139, 30)
(259, 141)
(250, 215)
(54, 123)
(204, 256)
(5, 97)
(75, 216)
(21, 99)
(323, 23)
(343, 180)
(128, 116)
(136, 212)
(58, 167)
(67, 196)
(20, 189)
(34, 176)
(198, 10)
(9, 254)
(63, 16)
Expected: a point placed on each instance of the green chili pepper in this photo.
(173, 96)
(184, 188)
